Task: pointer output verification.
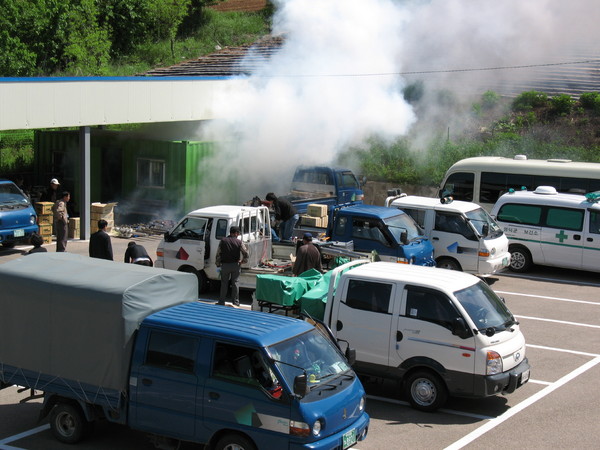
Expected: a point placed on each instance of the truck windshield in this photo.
(400, 223)
(479, 218)
(309, 353)
(190, 227)
(10, 195)
(485, 308)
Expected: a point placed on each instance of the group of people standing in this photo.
(100, 245)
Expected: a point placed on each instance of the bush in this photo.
(590, 101)
(529, 100)
(562, 104)
(489, 100)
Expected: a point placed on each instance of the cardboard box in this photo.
(311, 221)
(74, 233)
(74, 223)
(47, 239)
(95, 217)
(45, 219)
(316, 210)
(43, 208)
(103, 208)
(94, 225)
(46, 230)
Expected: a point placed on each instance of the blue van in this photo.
(18, 220)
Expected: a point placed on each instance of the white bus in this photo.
(484, 179)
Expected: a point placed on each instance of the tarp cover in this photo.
(285, 290)
(74, 317)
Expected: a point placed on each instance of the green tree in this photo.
(166, 16)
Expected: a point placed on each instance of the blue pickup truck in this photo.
(132, 345)
(324, 185)
(18, 220)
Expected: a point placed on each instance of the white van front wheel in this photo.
(520, 259)
(448, 263)
(426, 391)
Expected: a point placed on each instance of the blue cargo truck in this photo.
(131, 345)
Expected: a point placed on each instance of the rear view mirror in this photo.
(485, 229)
(404, 238)
(350, 355)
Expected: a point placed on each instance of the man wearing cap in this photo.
(231, 254)
(307, 256)
(52, 193)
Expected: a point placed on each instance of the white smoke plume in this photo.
(339, 77)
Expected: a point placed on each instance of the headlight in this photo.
(494, 363)
(32, 220)
(317, 428)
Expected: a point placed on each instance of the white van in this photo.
(550, 228)
(437, 331)
(463, 234)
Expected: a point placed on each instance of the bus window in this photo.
(460, 186)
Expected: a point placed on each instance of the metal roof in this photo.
(255, 327)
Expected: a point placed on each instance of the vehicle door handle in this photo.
(339, 325)
(577, 237)
(399, 336)
(435, 239)
(146, 382)
(214, 395)
(590, 239)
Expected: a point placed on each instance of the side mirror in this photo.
(485, 229)
(350, 355)
(459, 328)
(404, 238)
(301, 385)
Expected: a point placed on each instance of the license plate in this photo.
(19, 233)
(349, 438)
(505, 262)
(525, 376)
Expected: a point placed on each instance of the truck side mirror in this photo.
(485, 229)
(301, 385)
(459, 328)
(350, 355)
(404, 238)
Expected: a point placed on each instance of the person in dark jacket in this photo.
(286, 213)
(100, 245)
(231, 254)
(52, 192)
(137, 254)
(307, 257)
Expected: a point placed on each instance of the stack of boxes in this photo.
(45, 219)
(316, 216)
(74, 228)
(104, 211)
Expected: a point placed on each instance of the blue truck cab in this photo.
(18, 220)
(324, 185)
(394, 235)
(257, 380)
(134, 346)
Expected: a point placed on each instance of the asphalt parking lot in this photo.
(559, 312)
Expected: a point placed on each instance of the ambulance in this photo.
(550, 228)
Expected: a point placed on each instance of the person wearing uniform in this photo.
(231, 254)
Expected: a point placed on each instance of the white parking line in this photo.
(19, 436)
(521, 406)
(564, 322)
(551, 280)
(549, 298)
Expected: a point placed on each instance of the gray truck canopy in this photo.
(74, 317)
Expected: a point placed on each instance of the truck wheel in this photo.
(234, 442)
(203, 282)
(8, 244)
(426, 391)
(448, 263)
(520, 259)
(68, 423)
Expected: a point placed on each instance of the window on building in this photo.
(150, 173)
